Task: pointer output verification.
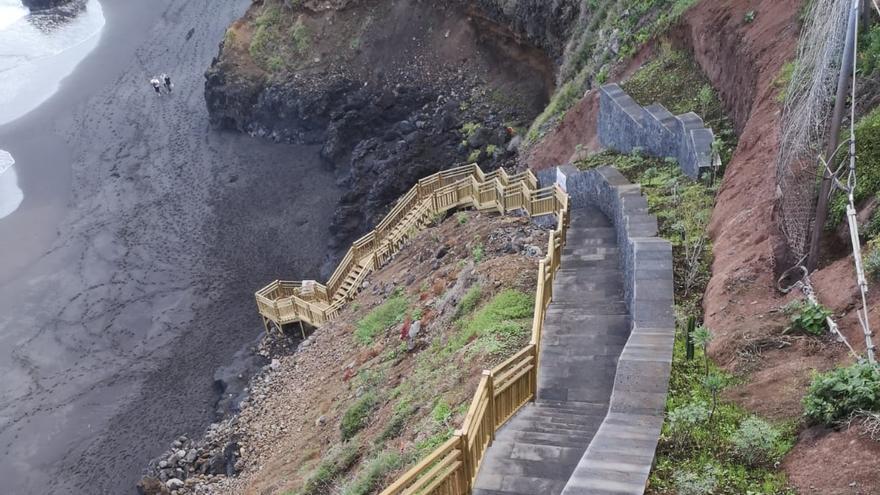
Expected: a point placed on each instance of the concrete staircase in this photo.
(586, 328)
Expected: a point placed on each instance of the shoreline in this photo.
(135, 253)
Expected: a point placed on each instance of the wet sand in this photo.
(129, 268)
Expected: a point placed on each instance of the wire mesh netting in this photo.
(809, 103)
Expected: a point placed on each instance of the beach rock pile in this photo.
(188, 463)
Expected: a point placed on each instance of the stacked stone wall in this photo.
(625, 126)
(620, 456)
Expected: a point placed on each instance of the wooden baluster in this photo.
(490, 409)
(467, 466)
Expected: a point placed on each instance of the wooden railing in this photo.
(283, 302)
(503, 390)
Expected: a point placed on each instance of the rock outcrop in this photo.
(391, 91)
(44, 4)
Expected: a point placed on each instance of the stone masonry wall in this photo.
(620, 456)
(624, 125)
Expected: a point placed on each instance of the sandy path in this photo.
(109, 342)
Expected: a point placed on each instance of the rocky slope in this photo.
(392, 91)
(418, 381)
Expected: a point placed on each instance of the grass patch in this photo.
(675, 80)
(357, 416)
(336, 462)
(469, 302)
(783, 80)
(498, 326)
(381, 318)
(371, 476)
(279, 38)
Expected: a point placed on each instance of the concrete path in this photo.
(586, 328)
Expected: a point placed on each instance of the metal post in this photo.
(689, 336)
(846, 67)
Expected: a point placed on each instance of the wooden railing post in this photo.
(534, 374)
(466, 460)
(490, 408)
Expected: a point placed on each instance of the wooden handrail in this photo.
(502, 391)
(452, 468)
(462, 186)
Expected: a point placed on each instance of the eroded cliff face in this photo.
(544, 23)
(392, 91)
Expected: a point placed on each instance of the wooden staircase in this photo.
(467, 186)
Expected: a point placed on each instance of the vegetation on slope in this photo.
(674, 80)
(708, 445)
(607, 33)
(375, 391)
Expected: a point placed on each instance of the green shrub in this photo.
(300, 37)
(867, 169)
(809, 317)
(469, 302)
(872, 230)
(371, 476)
(506, 318)
(683, 420)
(869, 51)
(872, 259)
(478, 252)
(835, 395)
(441, 412)
(749, 17)
(469, 128)
(358, 415)
(783, 79)
(692, 483)
(266, 40)
(755, 442)
(381, 318)
(396, 423)
(430, 444)
(337, 461)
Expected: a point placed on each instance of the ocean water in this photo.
(10, 194)
(37, 51)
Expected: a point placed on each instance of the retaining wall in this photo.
(620, 456)
(624, 125)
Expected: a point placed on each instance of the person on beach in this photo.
(167, 80)
(156, 85)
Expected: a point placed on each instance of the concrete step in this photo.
(551, 462)
(540, 426)
(612, 308)
(498, 484)
(585, 408)
(556, 439)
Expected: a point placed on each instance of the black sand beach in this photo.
(128, 272)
